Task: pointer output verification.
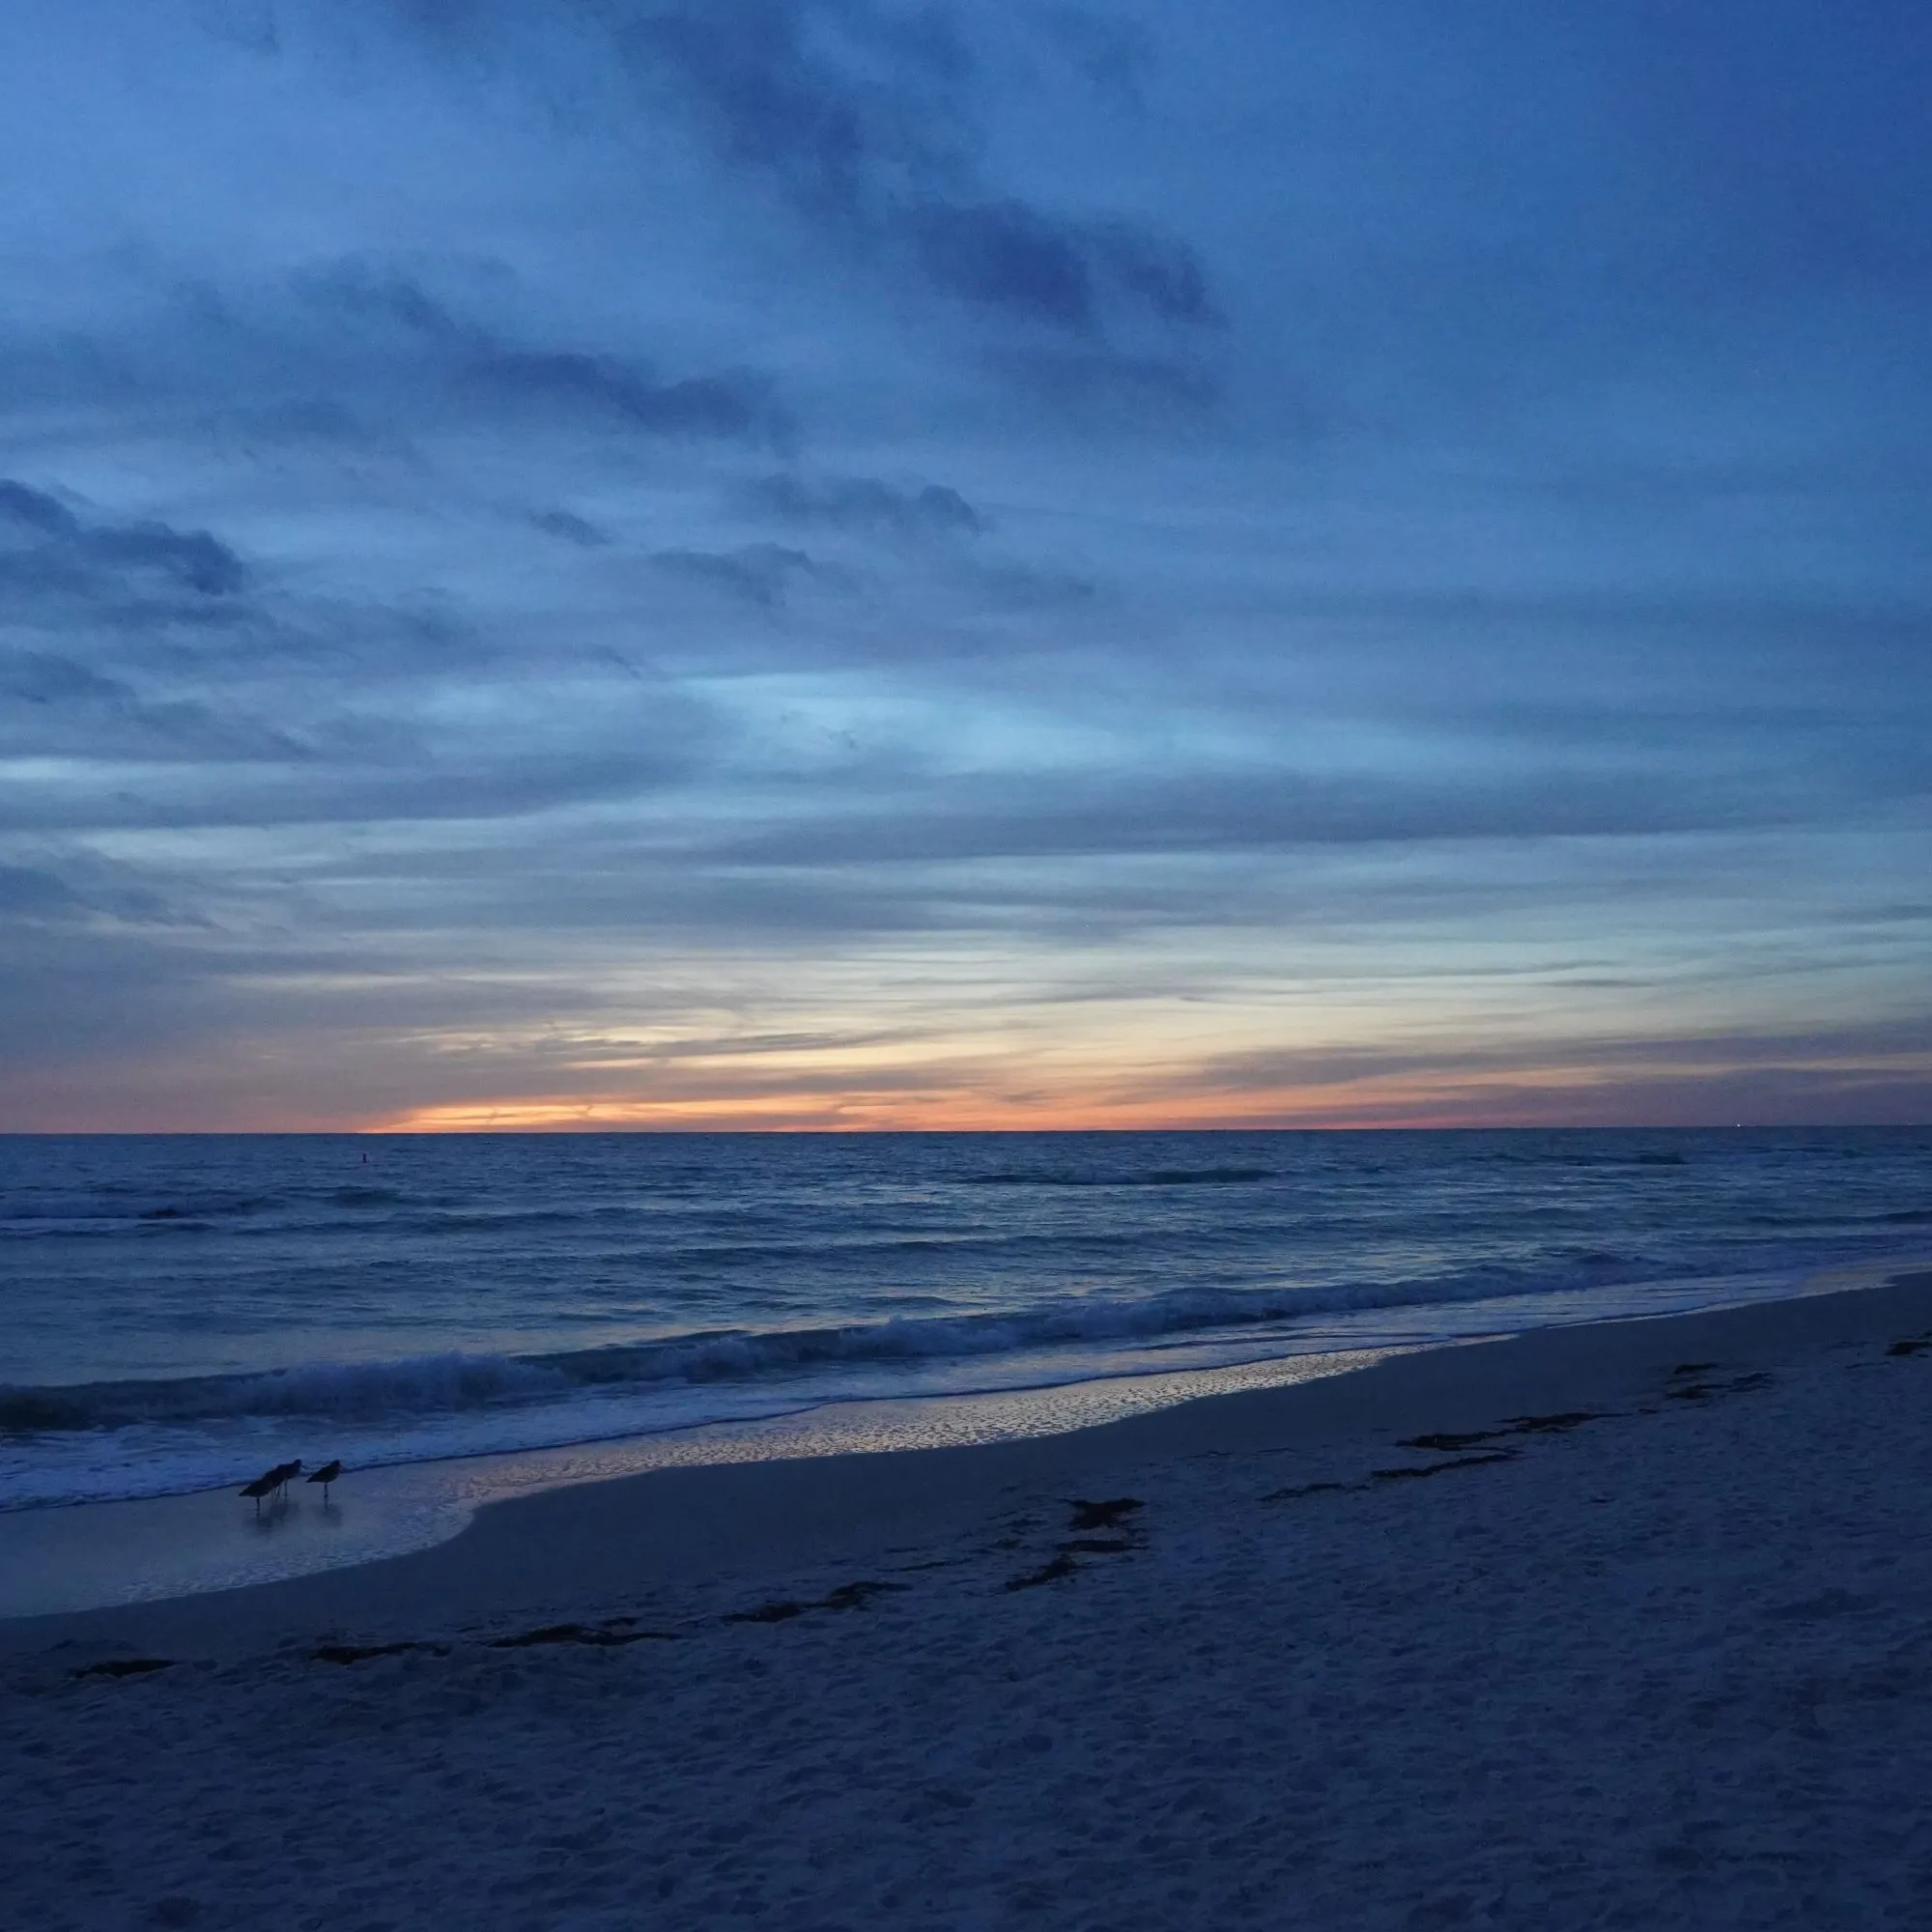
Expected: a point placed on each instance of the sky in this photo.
(828, 563)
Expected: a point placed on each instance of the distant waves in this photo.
(180, 1310)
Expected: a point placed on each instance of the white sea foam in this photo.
(178, 1313)
(449, 1381)
(374, 1415)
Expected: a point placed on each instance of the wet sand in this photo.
(1618, 1625)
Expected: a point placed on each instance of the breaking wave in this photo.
(442, 1383)
(1173, 1176)
(181, 1311)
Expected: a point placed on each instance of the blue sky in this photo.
(812, 562)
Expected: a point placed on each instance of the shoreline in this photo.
(72, 1556)
(200, 1540)
(651, 1538)
(1021, 1375)
(1619, 1625)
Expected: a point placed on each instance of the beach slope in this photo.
(1623, 1625)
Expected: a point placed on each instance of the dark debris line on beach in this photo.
(362, 1652)
(1454, 1441)
(1688, 1381)
(1049, 1572)
(1112, 1513)
(846, 1597)
(613, 1634)
(1414, 1469)
(600, 1636)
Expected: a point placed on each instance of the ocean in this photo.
(178, 1312)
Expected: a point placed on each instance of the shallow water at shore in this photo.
(180, 1313)
(88, 1556)
(1644, 1646)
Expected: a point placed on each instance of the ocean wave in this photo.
(319, 1210)
(419, 1384)
(1581, 1158)
(101, 1213)
(1901, 1218)
(441, 1383)
(1170, 1177)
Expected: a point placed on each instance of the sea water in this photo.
(176, 1312)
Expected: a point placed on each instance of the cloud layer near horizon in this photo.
(828, 562)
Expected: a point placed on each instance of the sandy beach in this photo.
(1620, 1624)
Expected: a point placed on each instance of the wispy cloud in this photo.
(832, 562)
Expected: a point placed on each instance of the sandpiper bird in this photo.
(262, 1485)
(283, 1473)
(325, 1475)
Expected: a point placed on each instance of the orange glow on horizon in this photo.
(1465, 1101)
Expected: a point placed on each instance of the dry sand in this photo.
(1657, 1656)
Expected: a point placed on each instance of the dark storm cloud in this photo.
(760, 574)
(1876, 1072)
(300, 711)
(1652, 1055)
(842, 103)
(1005, 255)
(87, 893)
(571, 527)
(868, 119)
(1165, 275)
(355, 358)
(44, 545)
(1261, 812)
(474, 359)
(163, 632)
(35, 510)
(735, 405)
(28, 892)
(869, 506)
(1010, 256)
(51, 705)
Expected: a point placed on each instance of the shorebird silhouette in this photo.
(283, 1473)
(262, 1485)
(325, 1475)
